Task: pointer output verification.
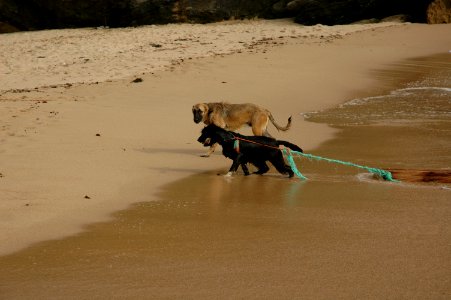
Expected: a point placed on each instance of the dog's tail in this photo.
(271, 118)
(290, 145)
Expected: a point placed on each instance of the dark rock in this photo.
(439, 12)
(332, 12)
(295, 5)
(203, 11)
(367, 21)
(7, 28)
(279, 8)
(396, 18)
(45, 14)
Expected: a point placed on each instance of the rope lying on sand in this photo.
(386, 175)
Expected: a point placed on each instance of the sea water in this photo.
(423, 100)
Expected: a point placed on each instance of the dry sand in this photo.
(72, 154)
(44, 58)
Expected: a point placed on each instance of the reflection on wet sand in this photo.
(253, 188)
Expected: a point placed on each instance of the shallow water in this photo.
(427, 98)
(340, 234)
(402, 105)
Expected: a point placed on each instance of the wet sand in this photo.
(256, 237)
(341, 234)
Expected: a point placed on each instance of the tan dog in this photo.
(234, 116)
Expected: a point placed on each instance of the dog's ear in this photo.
(206, 111)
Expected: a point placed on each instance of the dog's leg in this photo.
(287, 169)
(280, 165)
(234, 166)
(266, 133)
(260, 125)
(261, 131)
(262, 168)
(238, 161)
(210, 150)
(245, 169)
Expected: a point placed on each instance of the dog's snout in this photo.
(204, 140)
(197, 114)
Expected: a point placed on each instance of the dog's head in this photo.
(200, 110)
(209, 136)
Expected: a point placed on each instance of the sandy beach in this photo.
(101, 177)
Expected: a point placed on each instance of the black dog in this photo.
(248, 149)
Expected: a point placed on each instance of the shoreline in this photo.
(69, 161)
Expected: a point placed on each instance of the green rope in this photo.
(386, 175)
(293, 165)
